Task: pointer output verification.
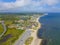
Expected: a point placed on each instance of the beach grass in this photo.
(28, 41)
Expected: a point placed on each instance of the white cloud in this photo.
(33, 5)
(17, 3)
(52, 2)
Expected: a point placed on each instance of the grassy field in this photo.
(11, 36)
(1, 28)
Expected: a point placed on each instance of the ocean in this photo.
(50, 28)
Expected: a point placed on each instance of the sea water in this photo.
(50, 28)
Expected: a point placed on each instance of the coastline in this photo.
(36, 40)
(42, 41)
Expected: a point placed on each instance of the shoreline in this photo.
(36, 40)
(42, 41)
(39, 39)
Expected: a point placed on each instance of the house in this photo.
(12, 26)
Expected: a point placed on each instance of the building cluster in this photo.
(20, 24)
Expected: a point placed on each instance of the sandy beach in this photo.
(36, 40)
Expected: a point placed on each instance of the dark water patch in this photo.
(44, 42)
(39, 33)
(5, 38)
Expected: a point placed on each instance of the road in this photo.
(23, 38)
(2, 22)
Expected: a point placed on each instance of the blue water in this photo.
(50, 28)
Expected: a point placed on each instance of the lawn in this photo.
(11, 36)
(1, 29)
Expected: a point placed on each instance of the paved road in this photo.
(2, 22)
(23, 38)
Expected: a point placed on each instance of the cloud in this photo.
(51, 2)
(8, 5)
(30, 5)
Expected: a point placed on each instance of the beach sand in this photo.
(36, 40)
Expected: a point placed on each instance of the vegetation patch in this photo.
(1, 29)
(10, 36)
(28, 41)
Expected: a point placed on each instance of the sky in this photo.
(29, 5)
